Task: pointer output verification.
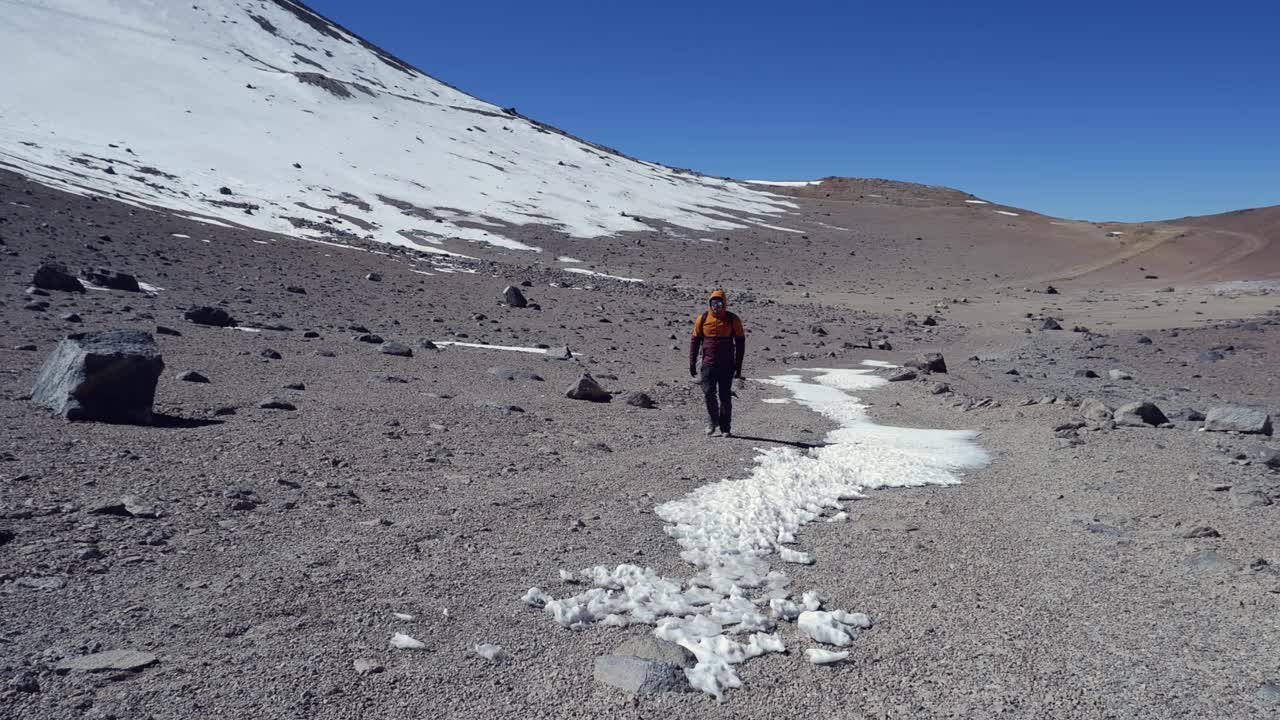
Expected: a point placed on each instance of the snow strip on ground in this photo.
(482, 346)
(583, 271)
(1006, 212)
(977, 202)
(784, 183)
(731, 530)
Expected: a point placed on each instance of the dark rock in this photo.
(311, 335)
(269, 354)
(507, 373)
(881, 344)
(1051, 290)
(395, 348)
(929, 321)
(111, 279)
(295, 386)
(109, 376)
(1270, 458)
(640, 400)
(25, 348)
(1086, 374)
(1199, 532)
(817, 330)
(162, 330)
(296, 290)
(1139, 414)
(193, 377)
(902, 375)
(207, 315)
(52, 276)
(37, 306)
(1050, 324)
(72, 318)
(639, 676)
(939, 389)
(275, 403)
(369, 338)
(512, 296)
(6, 536)
(373, 277)
(1237, 419)
(1143, 340)
(25, 682)
(127, 506)
(425, 344)
(586, 388)
(224, 190)
(929, 363)
(504, 408)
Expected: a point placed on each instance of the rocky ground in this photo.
(1090, 570)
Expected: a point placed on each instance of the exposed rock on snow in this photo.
(108, 376)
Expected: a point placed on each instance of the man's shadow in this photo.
(791, 443)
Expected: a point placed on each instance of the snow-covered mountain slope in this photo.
(264, 114)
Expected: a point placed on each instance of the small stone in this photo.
(373, 277)
(1139, 414)
(1119, 375)
(162, 330)
(212, 316)
(1051, 290)
(425, 344)
(1095, 411)
(270, 354)
(296, 290)
(396, 349)
(368, 666)
(640, 400)
(639, 676)
(295, 386)
(1086, 374)
(274, 403)
(310, 334)
(1143, 340)
(561, 352)
(902, 375)
(110, 660)
(507, 373)
(72, 318)
(586, 388)
(1199, 532)
(368, 338)
(25, 682)
(512, 296)
(1050, 324)
(939, 389)
(929, 363)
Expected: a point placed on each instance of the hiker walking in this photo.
(719, 334)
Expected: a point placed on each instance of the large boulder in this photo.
(1231, 418)
(512, 296)
(586, 388)
(52, 276)
(111, 279)
(1139, 414)
(206, 315)
(108, 376)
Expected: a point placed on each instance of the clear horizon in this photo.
(1121, 111)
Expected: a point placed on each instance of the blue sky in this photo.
(1118, 110)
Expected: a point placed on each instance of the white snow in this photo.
(402, 616)
(188, 98)
(567, 259)
(776, 401)
(818, 656)
(583, 271)
(784, 183)
(148, 287)
(181, 236)
(977, 202)
(404, 642)
(878, 364)
(482, 346)
(1006, 212)
(731, 529)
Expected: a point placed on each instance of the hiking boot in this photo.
(726, 433)
(711, 430)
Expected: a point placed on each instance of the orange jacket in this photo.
(720, 336)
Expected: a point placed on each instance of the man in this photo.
(719, 334)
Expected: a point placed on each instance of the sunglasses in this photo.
(717, 302)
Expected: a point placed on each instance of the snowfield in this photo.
(729, 611)
(263, 114)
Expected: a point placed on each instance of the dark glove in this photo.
(693, 371)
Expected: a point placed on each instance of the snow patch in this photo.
(784, 183)
(567, 259)
(583, 271)
(404, 642)
(977, 202)
(878, 364)
(1006, 212)
(731, 529)
(818, 656)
